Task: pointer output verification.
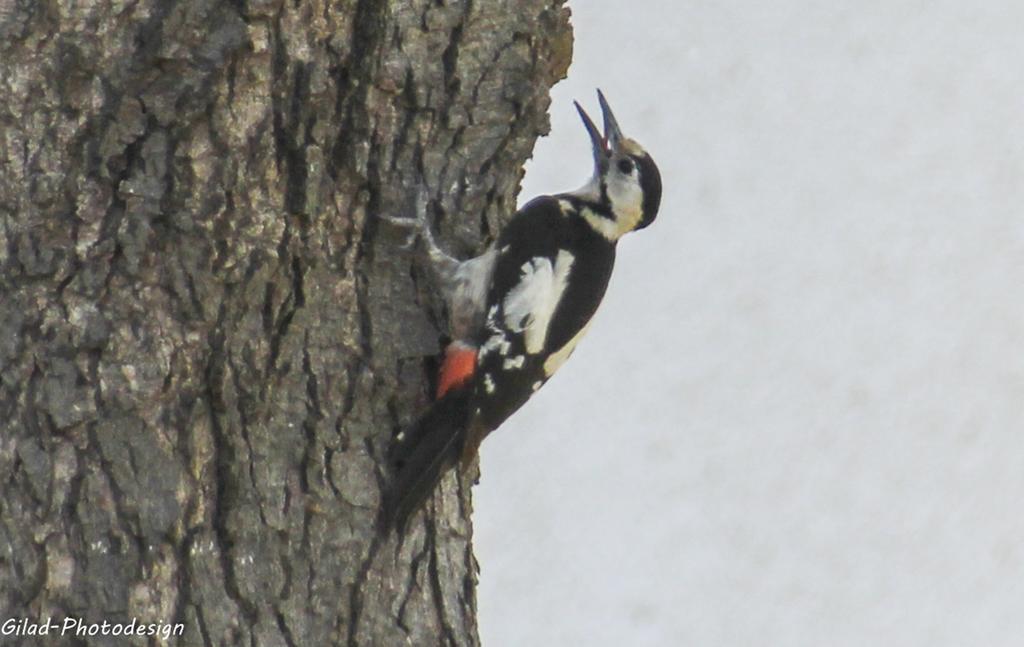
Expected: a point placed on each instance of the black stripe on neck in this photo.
(602, 208)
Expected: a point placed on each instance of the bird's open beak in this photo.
(605, 144)
(612, 134)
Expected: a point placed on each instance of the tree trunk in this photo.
(207, 337)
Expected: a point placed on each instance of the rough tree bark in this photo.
(207, 339)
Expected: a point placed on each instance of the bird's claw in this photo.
(418, 222)
(406, 223)
(442, 262)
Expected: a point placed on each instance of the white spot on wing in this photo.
(530, 304)
(535, 279)
(496, 342)
(537, 385)
(488, 383)
(514, 362)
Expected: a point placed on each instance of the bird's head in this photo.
(626, 185)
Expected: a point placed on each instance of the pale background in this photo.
(798, 417)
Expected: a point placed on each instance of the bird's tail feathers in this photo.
(423, 453)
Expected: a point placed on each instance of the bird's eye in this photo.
(625, 166)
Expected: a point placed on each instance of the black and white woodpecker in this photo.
(518, 310)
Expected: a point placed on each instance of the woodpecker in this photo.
(518, 310)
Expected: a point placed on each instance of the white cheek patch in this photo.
(531, 303)
(627, 201)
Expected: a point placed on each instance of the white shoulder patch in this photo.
(531, 303)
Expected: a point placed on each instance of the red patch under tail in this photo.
(458, 367)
